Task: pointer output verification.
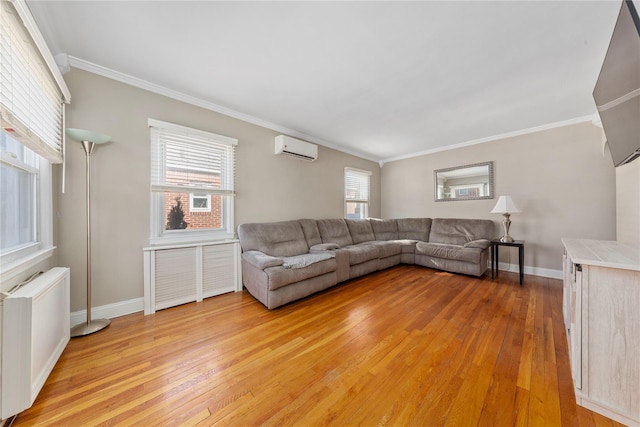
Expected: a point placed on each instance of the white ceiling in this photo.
(382, 80)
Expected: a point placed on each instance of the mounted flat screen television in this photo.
(617, 91)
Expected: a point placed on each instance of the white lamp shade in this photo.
(87, 135)
(505, 205)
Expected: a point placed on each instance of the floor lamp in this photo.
(88, 140)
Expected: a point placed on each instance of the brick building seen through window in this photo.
(201, 210)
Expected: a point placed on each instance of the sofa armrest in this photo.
(324, 247)
(261, 260)
(480, 244)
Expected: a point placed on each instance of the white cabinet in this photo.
(178, 274)
(601, 309)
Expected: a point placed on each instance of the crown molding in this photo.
(207, 105)
(494, 138)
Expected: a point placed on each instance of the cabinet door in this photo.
(575, 340)
(174, 279)
(566, 290)
(611, 337)
(219, 272)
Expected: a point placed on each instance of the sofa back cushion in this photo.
(384, 229)
(334, 231)
(414, 228)
(360, 230)
(283, 238)
(311, 232)
(460, 231)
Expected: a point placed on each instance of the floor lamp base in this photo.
(87, 328)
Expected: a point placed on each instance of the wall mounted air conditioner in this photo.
(296, 148)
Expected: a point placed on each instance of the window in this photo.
(356, 193)
(200, 202)
(32, 96)
(192, 174)
(19, 195)
(468, 190)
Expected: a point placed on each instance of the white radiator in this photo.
(35, 331)
(178, 274)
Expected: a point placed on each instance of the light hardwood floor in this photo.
(404, 346)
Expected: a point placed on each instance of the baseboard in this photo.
(123, 308)
(109, 311)
(535, 271)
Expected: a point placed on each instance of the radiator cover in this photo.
(179, 274)
(35, 332)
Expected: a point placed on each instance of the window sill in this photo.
(12, 269)
(191, 239)
(190, 245)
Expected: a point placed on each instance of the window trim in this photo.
(158, 234)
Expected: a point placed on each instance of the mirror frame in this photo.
(435, 182)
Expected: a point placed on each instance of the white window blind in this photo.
(356, 185)
(192, 153)
(356, 192)
(31, 99)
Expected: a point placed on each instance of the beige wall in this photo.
(559, 178)
(269, 187)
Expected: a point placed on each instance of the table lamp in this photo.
(506, 207)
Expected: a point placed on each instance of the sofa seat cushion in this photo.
(323, 247)
(387, 249)
(280, 276)
(451, 252)
(480, 244)
(361, 253)
(261, 260)
(407, 246)
(460, 231)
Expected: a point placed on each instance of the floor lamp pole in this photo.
(90, 326)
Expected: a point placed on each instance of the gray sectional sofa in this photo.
(288, 260)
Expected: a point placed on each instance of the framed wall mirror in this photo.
(468, 182)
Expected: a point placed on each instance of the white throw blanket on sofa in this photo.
(304, 260)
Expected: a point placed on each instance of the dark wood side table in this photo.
(495, 244)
